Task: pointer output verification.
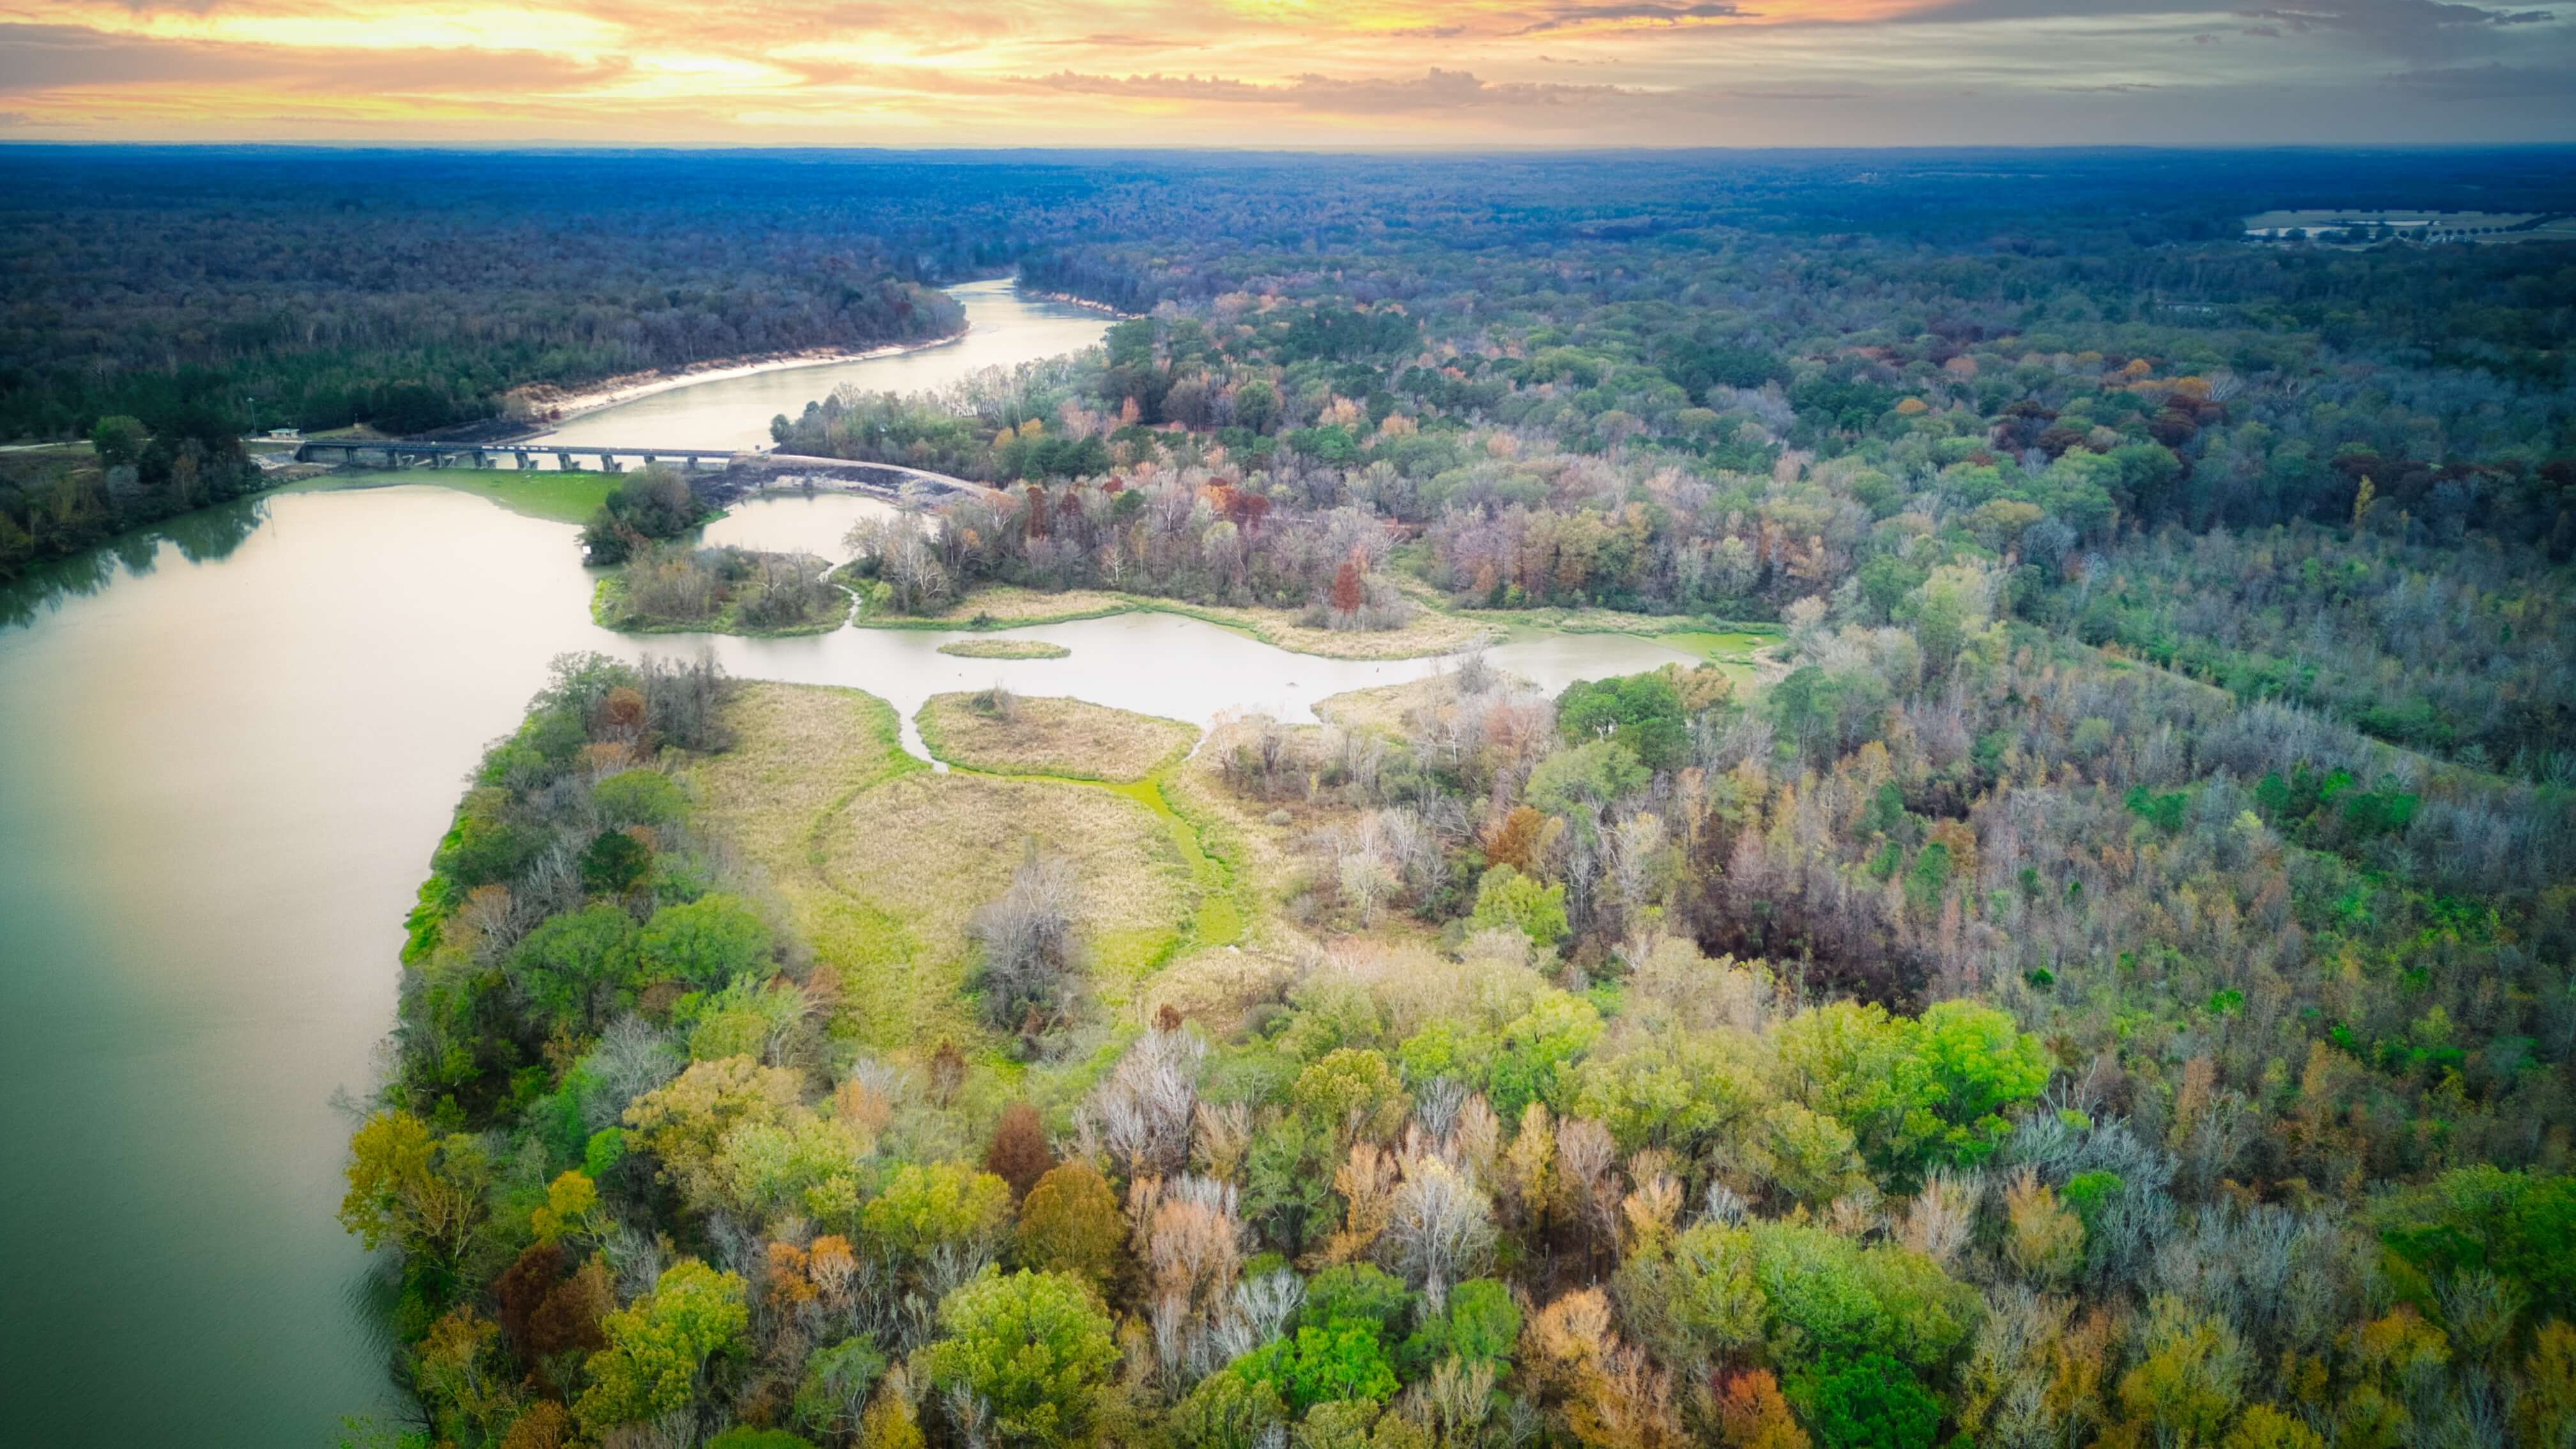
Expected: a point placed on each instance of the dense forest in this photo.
(296, 289)
(2104, 979)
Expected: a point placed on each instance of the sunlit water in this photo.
(795, 522)
(229, 748)
(1005, 329)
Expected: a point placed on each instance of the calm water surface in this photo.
(230, 747)
(1004, 329)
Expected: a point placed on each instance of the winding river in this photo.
(226, 748)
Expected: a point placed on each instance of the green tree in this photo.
(1256, 405)
(1480, 1326)
(572, 968)
(2191, 1376)
(659, 1346)
(1593, 774)
(833, 1397)
(1980, 1067)
(484, 847)
(1535, 1051)
(1641, 711)
(1826, 1294)
(1352, 1091)
(411, 1186)
(1693, 1299)
(613, 863)
(1288, 1179)
(638, 797)
(1872, 1402)
(1070, 1224)
(1228, 1411)
(2520, 1226)
(743, 1436)
(1509, 900)
(1319, 1365)
(945, 1204)
(1360, 1293)
(1035, 1347)
(705, 943)
(119, 440)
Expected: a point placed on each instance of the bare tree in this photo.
(1140, 1116)
(1032, 960)
(1441, 1228)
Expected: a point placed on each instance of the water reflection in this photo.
(795, 522)
(204, 536)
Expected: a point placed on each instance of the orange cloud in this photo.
(1245, 72)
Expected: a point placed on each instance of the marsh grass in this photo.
(1063, 737)
(1003, 649)
(915, 856)
(883, 862)
(1009, 606)
(676, 589)
(1390, 709)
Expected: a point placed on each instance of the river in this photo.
(1004, 329)
(230, 746)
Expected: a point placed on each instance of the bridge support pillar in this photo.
(566, 463)
(608, 463)
(525, 462)
(481, 459)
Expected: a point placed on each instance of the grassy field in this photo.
(1007, 607)
(1067, 738)
(1745, 656)
(1003, 649)
(1388, 708)
(882, 862)
(911, 859)
(562, 497)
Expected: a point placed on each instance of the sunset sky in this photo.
(1289, 72)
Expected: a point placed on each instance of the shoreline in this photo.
(1088, 305)
(629, 387)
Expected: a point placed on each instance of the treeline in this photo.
(412, 292)
(55, 503)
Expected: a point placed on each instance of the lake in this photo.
(231, 745)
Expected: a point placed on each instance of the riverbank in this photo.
(1068, 299)
(1008, 606)
(556, 406)
(555, 496)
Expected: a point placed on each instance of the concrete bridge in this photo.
(397, 454)
(856, 476)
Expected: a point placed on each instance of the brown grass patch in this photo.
(1046, 736)
(1003, 649)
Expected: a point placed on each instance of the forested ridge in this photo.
(2103, 978)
